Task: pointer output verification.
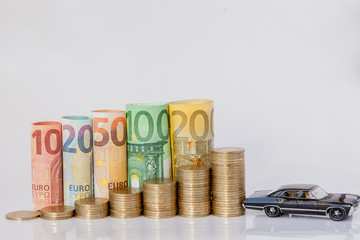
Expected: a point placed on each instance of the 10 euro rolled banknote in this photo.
(148, 142)
(77, 158)
(110, 162)
(46, 164)
(191, 131)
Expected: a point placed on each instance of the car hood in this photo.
(342, 198)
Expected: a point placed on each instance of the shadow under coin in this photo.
(130, 228)
(51, 229)
(228, 228)
(160, 229)
(193, 228)
(92, 229)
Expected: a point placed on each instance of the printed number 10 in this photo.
(37, 135)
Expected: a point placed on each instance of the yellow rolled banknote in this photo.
(110, 162)
(191, 131)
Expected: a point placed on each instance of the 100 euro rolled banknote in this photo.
(46, 164)
(191, 131)
(148, 142)
(77, 158)
(110, 163)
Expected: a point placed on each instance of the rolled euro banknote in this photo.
(191, 131)
(148, 142)
(110, 163)
(77, 158)
(46, 164)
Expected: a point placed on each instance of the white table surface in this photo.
(254, 225)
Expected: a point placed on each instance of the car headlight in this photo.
(352, 210)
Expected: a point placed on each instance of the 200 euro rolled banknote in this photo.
(77, 158)
(191, 131)
(46, 164)
(110, 163)
(148, 142)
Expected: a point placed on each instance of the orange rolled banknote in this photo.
(110, 162)
(46, 164)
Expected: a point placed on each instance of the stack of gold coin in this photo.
(159, 198)
(92, 208)
(125, 202)
(228, 181)
(194, 191)
(57, 212)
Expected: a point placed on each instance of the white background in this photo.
(284, 77)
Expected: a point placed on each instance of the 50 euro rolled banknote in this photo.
(191, 131)
(110, 163)
(148, 142)
(77, 158)
(46, 164)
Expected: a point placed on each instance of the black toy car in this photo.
(303, 199)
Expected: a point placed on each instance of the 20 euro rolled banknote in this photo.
(110, 163)
(148, 142)
(46, 164)
(191, 131)
(77, 158)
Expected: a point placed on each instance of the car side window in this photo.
(303, 195)
(289, 194)
(300, 194)
(277, 194)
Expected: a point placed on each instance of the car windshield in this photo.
(318, 193)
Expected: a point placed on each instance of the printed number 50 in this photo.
(113, 131)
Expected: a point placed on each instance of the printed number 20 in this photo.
(80, 139)
(208, 123)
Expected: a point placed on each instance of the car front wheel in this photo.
(272, 211)
(337, 214)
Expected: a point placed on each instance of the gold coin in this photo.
(57, 212)
(54, 210)
(226, 200)
(193, 168)
(159, 181)
(55, 218)
(125, 215)
(128, 191)
(160, 207)
(157, 215)
(193, 215)
(227, 215)
(90, 216)
(22, 215)
(228, 150)
(91, 202)
(125, 199)
(125, 204)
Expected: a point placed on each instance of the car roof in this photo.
(297, 187)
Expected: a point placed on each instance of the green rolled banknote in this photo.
(77, 158)
(148, 143)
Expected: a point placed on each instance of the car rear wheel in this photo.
(272, 211)
(337, 214)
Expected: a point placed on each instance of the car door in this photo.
(306, 203)
(288, 203)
